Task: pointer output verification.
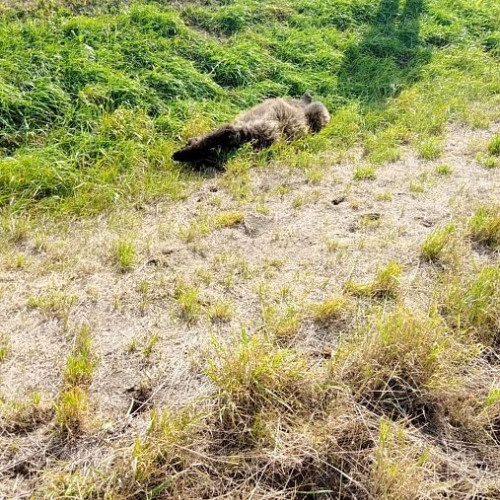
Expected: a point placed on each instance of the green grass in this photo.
(94, 98)
(364, 173)
(484, 226)
(124, 254)
(436, 242)
(443, 170)
(5, 347)
(494, 146)
(81, 363)
(384, 285)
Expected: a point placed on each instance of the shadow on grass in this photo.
(388, 58)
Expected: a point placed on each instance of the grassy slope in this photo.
(407, 406)
(92, 107)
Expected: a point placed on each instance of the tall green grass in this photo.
(95, 96)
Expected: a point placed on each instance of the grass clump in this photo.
(484, 226)
(436, 242)
(54, 304)
(221, 311)
(364, 173)
(151, 342)
(22, 416)
(124, 254)
(228, 219)
(283, 323)
(330, 310)
(473, 304)
(444, 170)
(494, 146)
(189, 302)
(430, 149)
(398, 363)
(81, 363)
(5, 347)
(384, 285)
(71, 410)
(255, 374)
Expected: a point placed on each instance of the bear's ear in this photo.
(306, 98)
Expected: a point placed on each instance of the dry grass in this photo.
(307, 323)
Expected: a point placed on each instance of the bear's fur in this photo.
(272, 120)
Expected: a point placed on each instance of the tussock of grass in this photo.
(494, 146)
(124, 254)
(54, 304)
(80, 364)
(71, 410)
(384, 285)
(474, 303)
(221, 311)
(364, 173)
(24, 415)
(444, 170)
(227, 219)
(430, 149)
(330, 310)
(188, 300)
(484, 226)
(282, 322)
(5, 347)
(436, 242)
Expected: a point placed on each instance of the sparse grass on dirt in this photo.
(318, 320)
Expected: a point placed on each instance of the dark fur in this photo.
(270, 121)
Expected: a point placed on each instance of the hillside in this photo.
(319, 319)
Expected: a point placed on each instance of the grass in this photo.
(384, 285)
(364, 173)
(80, 364)
(227, 219)
(443, 170)
(71, 411)
(124, 254)
(494, 146)
(430, 149)
(5, 347)
(385, 390)
(221, 311)
(436, 242)
(54, 304)
(189, 303)
(484, 226)
(329, 310)
(90, 120)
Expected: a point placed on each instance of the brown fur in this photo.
(270, 121)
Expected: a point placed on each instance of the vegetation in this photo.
(95, 98)
(302, 324)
